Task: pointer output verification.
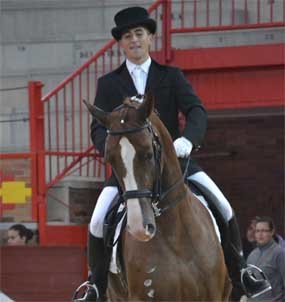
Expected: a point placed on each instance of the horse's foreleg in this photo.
(227, 289)
(117, 289)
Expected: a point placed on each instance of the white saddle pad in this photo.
(114, 267)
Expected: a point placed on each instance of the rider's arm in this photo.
(191, 106)
(98, 132)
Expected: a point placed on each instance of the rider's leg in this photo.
(205, 182)
(230, 234)
(103, 203)
(98, 261)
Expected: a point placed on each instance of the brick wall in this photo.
(244, 153)
(42, 273)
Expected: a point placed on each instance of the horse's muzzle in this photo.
(141, 221)
(143, 234)
(150, 230)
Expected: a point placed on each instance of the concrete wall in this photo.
(54, 37)
(72, 201)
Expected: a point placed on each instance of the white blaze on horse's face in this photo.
(134, 211)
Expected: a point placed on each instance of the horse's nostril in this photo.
(150, 229)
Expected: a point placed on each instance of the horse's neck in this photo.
(171, 173)
(171, 168)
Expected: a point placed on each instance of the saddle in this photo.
(212, 202)
(115, 214)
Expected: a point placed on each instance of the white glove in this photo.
(183, 147)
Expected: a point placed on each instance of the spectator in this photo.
(248, 242)
(270, 257)
(280, 240)
(18, 234)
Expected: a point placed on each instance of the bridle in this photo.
(156, 195)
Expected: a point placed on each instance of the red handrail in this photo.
(78, 71)
(226, 27)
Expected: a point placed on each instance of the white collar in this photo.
(144, 66)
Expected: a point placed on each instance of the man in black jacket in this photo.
(138, 75)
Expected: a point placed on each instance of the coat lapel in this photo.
(125, 80)
(155, 76)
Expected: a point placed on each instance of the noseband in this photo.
(155, 194)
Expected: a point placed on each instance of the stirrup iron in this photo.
(86, 285)
(249, 272)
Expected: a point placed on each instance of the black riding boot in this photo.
(98, 260)
(237, 267)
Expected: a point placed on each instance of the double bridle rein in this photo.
(156, 195)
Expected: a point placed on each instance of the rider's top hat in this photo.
(130, 18)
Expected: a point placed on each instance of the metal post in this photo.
(38, 158)
(166, 34)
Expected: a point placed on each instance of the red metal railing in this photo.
(197, 15)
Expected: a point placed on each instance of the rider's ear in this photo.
(146, 108)
(100, 115)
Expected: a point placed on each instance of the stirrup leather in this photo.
(87, 285)
(249, 273)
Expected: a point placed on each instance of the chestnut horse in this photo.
(170, 249)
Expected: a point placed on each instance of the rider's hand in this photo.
(183, 147)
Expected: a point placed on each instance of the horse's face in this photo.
(130, 151)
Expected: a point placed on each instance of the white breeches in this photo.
(104, 200)
(108, 193)
(223, 206)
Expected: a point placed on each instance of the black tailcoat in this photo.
(172, 93)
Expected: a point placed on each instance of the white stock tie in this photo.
(138, 79)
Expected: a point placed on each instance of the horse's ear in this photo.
(100, 115)
(146, 108)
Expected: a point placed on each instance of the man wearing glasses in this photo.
(270, 257)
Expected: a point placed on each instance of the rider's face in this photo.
(136, 44)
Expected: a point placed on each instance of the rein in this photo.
(155, 194)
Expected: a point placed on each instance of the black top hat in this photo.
(130, 18)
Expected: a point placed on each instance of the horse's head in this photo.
(133, 150)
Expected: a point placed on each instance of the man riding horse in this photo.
(138, 75)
